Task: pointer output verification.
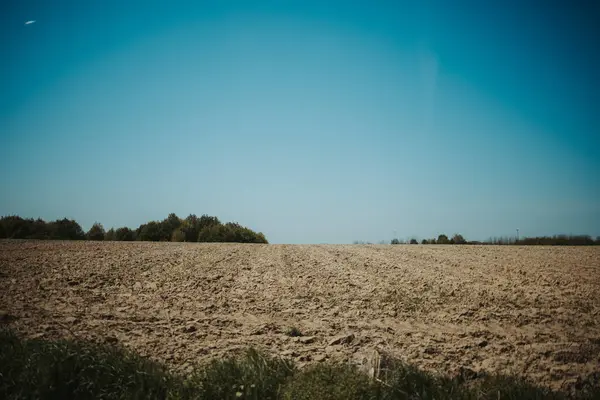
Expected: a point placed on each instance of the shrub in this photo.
(96, 232)
(414, 241)
(395, 241)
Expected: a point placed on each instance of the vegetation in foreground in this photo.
(74, 369)
(172, 228)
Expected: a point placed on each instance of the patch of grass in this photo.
(293, 332)
(80, 370)
(67, 370)
(252, 376)
(329, 382)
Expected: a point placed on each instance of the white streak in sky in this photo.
(30, 22)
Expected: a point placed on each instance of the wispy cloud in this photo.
(30, 22)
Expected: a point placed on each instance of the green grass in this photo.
(40, 369)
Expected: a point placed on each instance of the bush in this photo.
(96, 232)
(395, 241)
(414, 241)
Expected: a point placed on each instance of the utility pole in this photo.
(517, 234)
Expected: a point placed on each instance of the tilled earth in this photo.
(530, 311)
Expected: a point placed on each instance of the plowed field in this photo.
(531, 311)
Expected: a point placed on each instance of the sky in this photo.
(310, 121)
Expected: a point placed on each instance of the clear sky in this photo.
(311, 121)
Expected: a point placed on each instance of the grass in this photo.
(40, 369)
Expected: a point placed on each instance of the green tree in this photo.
(96, 232)
(124, 234)
(414, 241)
(395, 241)
(458, 239)
(206, 220)
(39, 230)
(16, 227)
(110, 234)
(152, 232)
(443, 239)
(191, 227)
(178, 235)
(260, 238)
(66, 229)
(170, 223)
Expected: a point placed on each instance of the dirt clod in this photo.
(343, 339)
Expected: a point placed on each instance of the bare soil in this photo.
(530, 311)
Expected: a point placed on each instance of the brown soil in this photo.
(530, 311)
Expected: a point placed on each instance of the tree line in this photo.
(556, 240)
(172, 229)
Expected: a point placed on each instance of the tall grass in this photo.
(39, 369)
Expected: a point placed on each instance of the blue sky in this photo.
(309, 121)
